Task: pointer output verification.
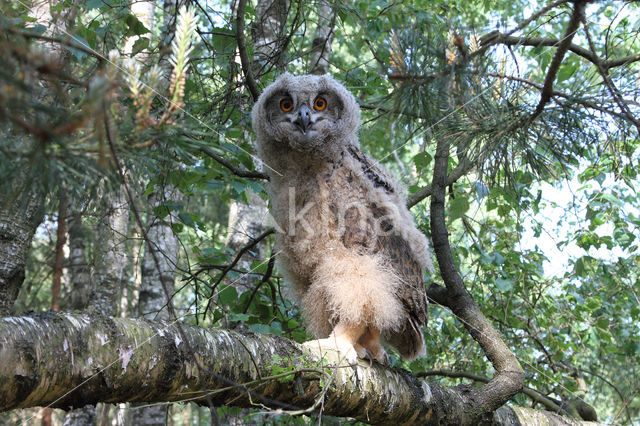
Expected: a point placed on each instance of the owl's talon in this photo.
(385, 359)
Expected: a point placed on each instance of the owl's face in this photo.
(307, 113)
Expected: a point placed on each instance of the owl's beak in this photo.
(304, 118)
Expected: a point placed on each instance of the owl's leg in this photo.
(344, 340)
(370, 340)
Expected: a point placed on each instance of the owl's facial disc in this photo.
(305, 119)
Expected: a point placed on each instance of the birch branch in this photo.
(70, 360)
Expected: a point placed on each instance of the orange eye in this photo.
(320, 103)
(286, 104)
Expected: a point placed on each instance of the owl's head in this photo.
(307, 113)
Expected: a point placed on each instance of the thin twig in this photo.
(235, 261)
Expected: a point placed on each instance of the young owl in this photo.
(346, 242)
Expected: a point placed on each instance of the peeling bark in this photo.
(65, 360)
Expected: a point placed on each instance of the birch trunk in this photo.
(164, 243)
(78, 266)
(64, 360)
(109, 253)
(321, 47)
(162, 247)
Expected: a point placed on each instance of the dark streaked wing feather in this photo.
(360, 233)
(371, 171)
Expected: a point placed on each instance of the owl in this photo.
(345, 241)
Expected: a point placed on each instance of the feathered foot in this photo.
(342, 340)
(370, 341)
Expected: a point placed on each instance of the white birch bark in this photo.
(109, 252)
(62, 360)
(163, 243)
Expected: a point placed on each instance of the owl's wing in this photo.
(412, 293)
(372, 171)
(361, 232)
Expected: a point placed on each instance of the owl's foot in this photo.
(343, 351)
(370, 341)
(344, 341)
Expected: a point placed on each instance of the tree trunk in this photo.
(78, 266)
(321, 47)
(162, 247)
(164, 243)
(109, 254)
(61, 237)
(19, 217)
(65, 360)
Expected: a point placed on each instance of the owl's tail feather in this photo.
(408, 340)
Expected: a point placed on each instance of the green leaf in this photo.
(227, 294)
(458, 207)
(260, 328)
(224, 41)
(565, 71)
(186, 219)
(135, 27)
(95, 4)
(504, 284)
(234, 317)
(140, 44)
(422, 160)
(593, 303)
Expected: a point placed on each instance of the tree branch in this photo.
(604, 73)
(563, 46)
(555, 93)
(242, 50)
(68, 360)
(499, 38)
(235, 170)
(453, 177)
(531, 393)
(509, 377)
